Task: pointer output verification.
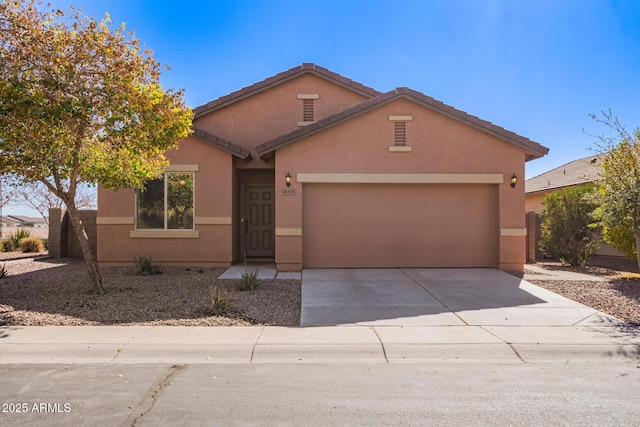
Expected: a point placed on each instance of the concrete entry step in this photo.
(265, 272)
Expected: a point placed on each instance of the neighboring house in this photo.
(36, 225)
(29, 221)
(313, 170)
(578, 172)
(19, 221)
(9, 222)
(7, 226)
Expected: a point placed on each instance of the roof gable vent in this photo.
(307, 110)
(400, 133)
(308, 113)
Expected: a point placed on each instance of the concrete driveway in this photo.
(433, 297)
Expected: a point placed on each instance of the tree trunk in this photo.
(636, 233)
(92, 265)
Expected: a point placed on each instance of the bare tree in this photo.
(37, 196)
(8, 193)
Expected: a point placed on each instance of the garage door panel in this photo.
(363, 225)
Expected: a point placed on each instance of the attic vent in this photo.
(307, 110)
(400, 133)
(400, 129)
(308, 114)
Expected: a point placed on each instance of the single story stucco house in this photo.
(311, 169)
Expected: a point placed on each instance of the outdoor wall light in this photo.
(287, 179)
(514, 180)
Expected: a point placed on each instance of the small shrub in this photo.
(219, 299)
(45, 242)
(31, 244)
(3, 271)
(248, 281)
(7, 246)
(144, 265)
(17, 237)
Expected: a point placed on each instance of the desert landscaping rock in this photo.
(618, 294)
(51, 292)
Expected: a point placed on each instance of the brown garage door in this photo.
(400, 225)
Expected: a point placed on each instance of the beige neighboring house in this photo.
(310, 169)
(37, 226)
(578, 172)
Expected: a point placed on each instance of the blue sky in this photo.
(535, 67)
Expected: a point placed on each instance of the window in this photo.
(166, 203)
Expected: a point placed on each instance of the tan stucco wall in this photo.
(361, 145)
(218, 182)
(269, 114)
(439, 145)
(212, 215)
(533, 202)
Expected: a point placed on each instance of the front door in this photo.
(258, 221)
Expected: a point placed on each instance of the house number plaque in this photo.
(288, 192)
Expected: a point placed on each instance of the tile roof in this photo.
(281, 78)
(577, 172)
(221, 143)
(533, 149)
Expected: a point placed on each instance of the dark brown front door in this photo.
(258, 221)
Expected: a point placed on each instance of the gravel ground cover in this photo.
(4, 256)
(52, 292)
(618, 295)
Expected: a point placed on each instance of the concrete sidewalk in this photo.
(592, 344)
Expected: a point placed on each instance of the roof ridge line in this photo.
(221, 143)
(282, 77)
(428, 101)
(565, 164)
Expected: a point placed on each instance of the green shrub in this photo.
(219, 299)
(17, 237)
(248, 281)
(568, 234)
(45, 242)
(7, 246)
(144, 265)
(31, 244)
(3, 271)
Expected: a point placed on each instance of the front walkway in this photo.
(265, 272)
